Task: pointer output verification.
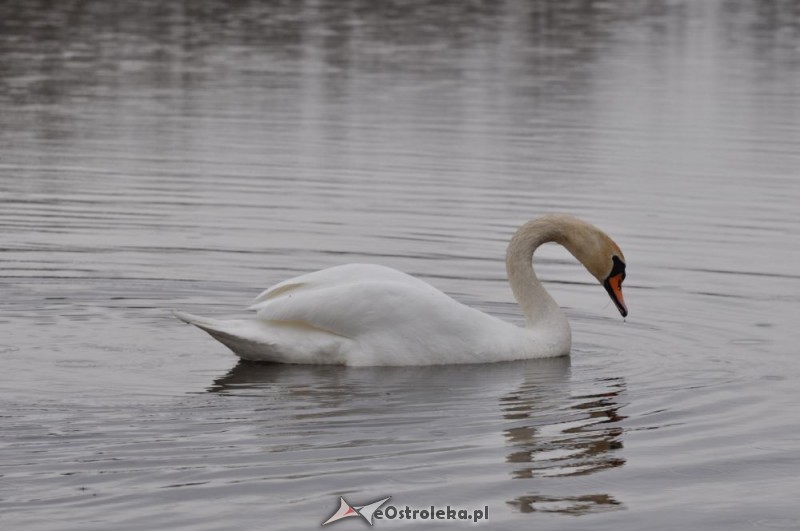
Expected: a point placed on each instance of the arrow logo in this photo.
(364, 511)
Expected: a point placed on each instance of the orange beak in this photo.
(613, 285)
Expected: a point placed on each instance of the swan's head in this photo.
(601, 256)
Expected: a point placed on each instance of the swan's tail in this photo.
(209, 325)
(253, 339)
(248, 338)
(230, 332)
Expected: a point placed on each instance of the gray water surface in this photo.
(187, 155)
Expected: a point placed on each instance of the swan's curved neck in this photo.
(536, 303)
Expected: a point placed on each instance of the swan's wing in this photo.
(363, 307)
(335, 276)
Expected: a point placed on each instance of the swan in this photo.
(365, 314)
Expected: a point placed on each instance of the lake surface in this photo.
(187, 155)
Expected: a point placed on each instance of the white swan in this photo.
(361, 314)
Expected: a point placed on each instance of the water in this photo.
(187, 155)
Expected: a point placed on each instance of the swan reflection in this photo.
(580, 438)
(551, 427)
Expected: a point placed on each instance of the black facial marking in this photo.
(617, 268)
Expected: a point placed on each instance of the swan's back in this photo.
(337, 276)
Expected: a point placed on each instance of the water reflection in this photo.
(580, 440)
(550, 428)
(254, 375)
(567, 504)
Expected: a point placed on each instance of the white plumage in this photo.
(363, 314)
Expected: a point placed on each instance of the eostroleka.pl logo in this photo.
(372, 511)
(364, 511)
